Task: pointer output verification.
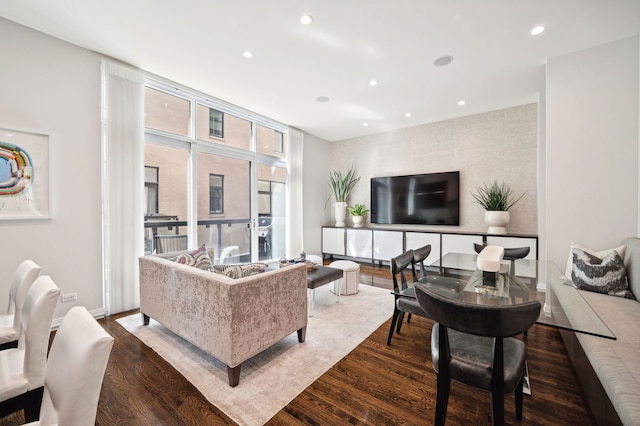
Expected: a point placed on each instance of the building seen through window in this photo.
(216, 194)
(216, 123)
(151, 190)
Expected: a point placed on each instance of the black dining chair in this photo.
(473, 344)
(419, 256)
(418, 271)
(399, 268)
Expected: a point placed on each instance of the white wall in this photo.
(52, 87)
(592, 147)
(316, 167)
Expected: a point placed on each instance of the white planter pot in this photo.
(496, 221)
(340, 210)
(357, 221)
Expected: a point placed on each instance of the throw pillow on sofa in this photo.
(240, 271)
(606, 275)
(601, 254)
(198, 258)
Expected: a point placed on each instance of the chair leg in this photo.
(400, 319)
(29, 402)
(393, 324)
(497, 407)
(518, 397)
(32, 409)
(442, 399)
(409, 318)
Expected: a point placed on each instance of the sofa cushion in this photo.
(606, 275)
(616, 362)
(600, 254)
(240, 271)
(198, 258)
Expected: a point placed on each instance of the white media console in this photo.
(381, 244)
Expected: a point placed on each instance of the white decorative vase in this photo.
(357, 221)
(496, 221)
(340, 210)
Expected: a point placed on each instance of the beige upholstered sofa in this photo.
(231, 319)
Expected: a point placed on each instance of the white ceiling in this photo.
(199, 44)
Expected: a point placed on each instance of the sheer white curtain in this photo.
(294, 194)
(123, 184)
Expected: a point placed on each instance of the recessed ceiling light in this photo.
(462, 102)
(247, 54)
(537, 30)
(306, 19)
(408, 115)
(373, 83)
(443, 60)
(365, 124)
(322, 99)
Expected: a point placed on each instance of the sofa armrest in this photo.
(266, 308)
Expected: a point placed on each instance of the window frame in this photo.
(194, 145)
(278, 148)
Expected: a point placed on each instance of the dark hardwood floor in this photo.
(375, 384)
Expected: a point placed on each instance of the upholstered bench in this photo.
(609, 370)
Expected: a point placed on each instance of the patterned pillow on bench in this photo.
(606, 275)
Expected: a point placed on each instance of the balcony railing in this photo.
(170, 225)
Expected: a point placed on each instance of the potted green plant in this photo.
(358, 212)
(341, 186)
(496, 198)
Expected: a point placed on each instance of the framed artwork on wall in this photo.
(24, 175)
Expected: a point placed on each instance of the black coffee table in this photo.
(319, 277)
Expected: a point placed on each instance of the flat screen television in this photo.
(425, 199)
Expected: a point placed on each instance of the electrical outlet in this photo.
(69, 297)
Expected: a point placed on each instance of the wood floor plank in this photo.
(375, 384)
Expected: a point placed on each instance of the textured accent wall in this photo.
(498, 144)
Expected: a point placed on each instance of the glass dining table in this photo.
(455, 275)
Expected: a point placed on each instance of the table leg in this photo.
(312, 301)
(337, 289)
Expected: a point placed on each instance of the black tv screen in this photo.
(426, 199)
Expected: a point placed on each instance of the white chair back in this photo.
(75, 370)
(37, 315)
(23, 278)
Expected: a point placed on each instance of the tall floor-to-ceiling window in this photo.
(219, 177)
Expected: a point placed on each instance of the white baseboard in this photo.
(96, 313)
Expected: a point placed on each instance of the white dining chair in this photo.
(10, 323)
(75, 370)
(22, 368)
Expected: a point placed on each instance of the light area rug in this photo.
(273, 378)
